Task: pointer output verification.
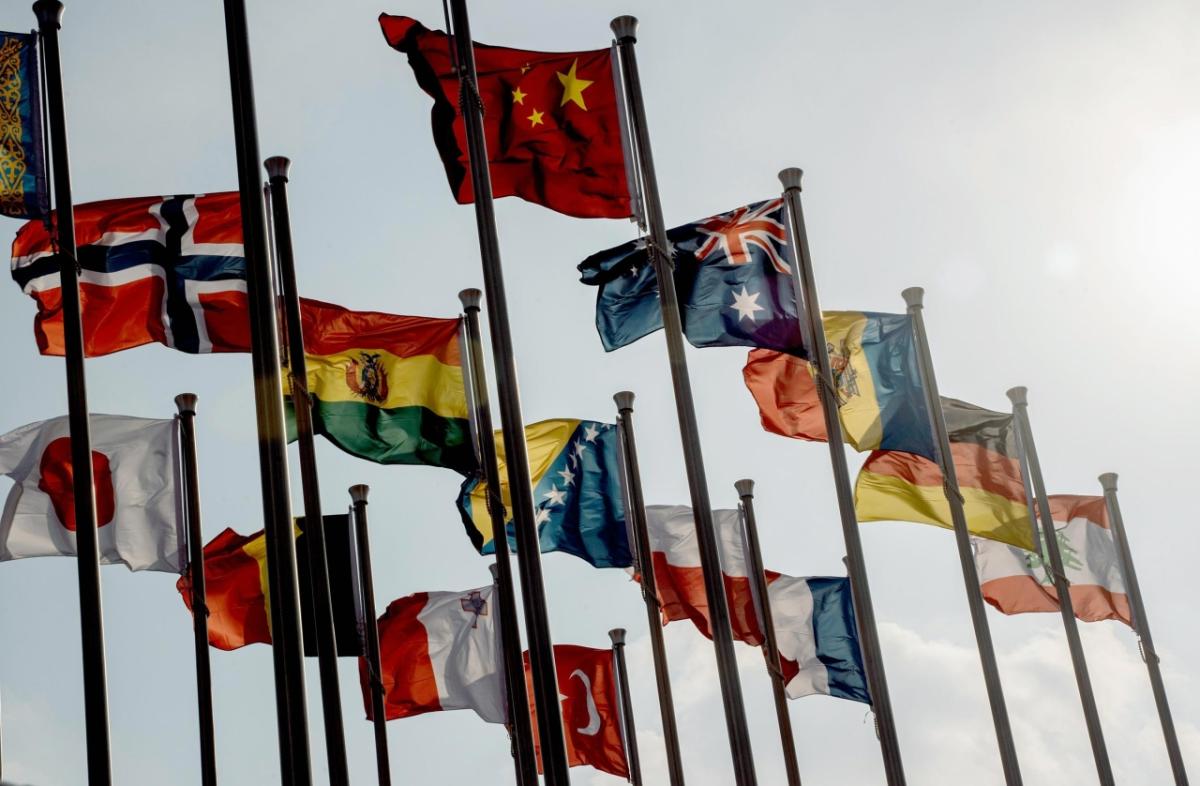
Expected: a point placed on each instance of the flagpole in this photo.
(617, 635)
(1062, 587)
(533, 594)
(358, 496)
(625, 30)
(287, 648)
(91, 614)
(766, 619)
(514, 663)
(645, 565)
(855, 561)
(186, 404)
(1108, 481)
(914, 297)
(314, 523)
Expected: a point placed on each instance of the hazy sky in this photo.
(1033, 165)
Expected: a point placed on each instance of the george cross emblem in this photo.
(735, 234)
(475, 604)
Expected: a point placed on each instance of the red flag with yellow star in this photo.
(551, 121)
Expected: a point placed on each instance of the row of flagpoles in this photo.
(270, 268)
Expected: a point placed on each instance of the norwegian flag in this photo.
(167, 270)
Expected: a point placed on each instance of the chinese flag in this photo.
(550, 119)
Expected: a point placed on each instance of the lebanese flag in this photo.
(1016, 581)
(440, 651)
(591, 708)
(135, 463)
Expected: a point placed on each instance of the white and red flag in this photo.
(1016, 581)
(440, 651)
(136, 468)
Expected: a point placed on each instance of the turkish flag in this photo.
(591, 708)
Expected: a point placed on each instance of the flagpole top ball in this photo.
(914, 297)
(625, 28)
(1019, 395)
(470, 298)
(624, 400)
(1108, 481)
(48, 12)
(278, 166)
(745, 487)
(186, 403)
(359, 492)
(618, 637)
(791, 178)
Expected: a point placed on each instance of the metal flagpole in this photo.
(766, 621)
(514, 664)
(1108, 481)
(640, 545)
(358, 496)
(290, 703)
(314, 523)
(855, 561)
(913, 297)
(186, 404)
(617, 635)
(533, 594)
(91, 616)
(625, 30)
(1062, 587)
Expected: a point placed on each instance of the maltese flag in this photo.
(135, 467)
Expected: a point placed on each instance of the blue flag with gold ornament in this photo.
(577, 498)
(23, 191)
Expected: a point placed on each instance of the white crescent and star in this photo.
(593, 725)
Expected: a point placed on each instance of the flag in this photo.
(386, 388)
(167, 270)
(550, 121)
(440, 651)
(135, 464)
(897, 486)
(23, 189)
(814, 617)
(591, 708)
(881, 401)
(1017, 581)
(576, 492)
(238, 597)
(732, 275)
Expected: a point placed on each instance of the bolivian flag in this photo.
(387, 388)
(896, 486)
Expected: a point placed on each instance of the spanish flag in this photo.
(896, 486)
(387, 388)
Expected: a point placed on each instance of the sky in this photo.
(1032, 165)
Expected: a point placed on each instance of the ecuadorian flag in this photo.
(576, 493)
(386, 388)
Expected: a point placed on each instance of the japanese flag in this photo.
(135, 466)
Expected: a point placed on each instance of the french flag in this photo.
(167, 270)
(814, 616)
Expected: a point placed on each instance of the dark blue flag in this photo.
(732, 274)
(23, 192)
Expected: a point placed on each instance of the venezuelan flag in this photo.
(881, 401)
(387, 388)
(897, 486)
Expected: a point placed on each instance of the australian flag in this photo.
(732, 274)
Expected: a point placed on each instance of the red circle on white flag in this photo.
(57, 481)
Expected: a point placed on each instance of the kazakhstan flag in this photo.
(23, 192)
(576, 493)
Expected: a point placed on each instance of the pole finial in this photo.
(470, 298)
(791, 178)
(745, 487)
(494, 571)
(186, 403)
(914, 297)
(1018, 395)
(49, 13)
(359, 491)
(625, 27)
(618, 637)
(278, 167)
(1108, 481)
(624, 400)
